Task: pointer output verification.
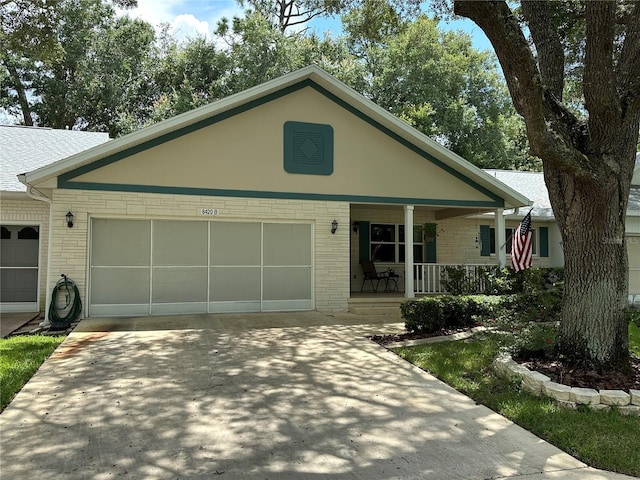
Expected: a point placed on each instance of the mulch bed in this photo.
(555, 369)
(576, 377)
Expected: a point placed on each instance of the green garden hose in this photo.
(62, 313)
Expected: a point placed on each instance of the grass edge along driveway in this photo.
(20, 358)
(605, 440)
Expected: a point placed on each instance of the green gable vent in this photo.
(308, 148)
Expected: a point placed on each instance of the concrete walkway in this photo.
(278, 396)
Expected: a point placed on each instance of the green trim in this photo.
(64, 180)
(430, 249)
(485, 240)
(364, 250)
(215, 192)
(544, 241)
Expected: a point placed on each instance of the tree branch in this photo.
(628, 71)
(548, 45)
(599, 85)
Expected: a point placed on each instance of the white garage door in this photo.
(151, 267)
(19, 252)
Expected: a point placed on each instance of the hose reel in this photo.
(65, 306)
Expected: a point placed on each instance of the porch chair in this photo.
(369, 273)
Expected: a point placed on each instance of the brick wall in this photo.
(70, 245)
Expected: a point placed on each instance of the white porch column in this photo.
(501, 241)
(408, 252)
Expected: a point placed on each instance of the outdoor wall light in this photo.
(334, 226)
(69, 217)
(356, 226)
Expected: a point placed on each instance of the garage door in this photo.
(19, 252)
(154, 267)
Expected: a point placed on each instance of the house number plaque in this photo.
(209, 211)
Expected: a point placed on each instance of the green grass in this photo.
(606, 440)
(20, 357)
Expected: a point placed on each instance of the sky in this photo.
(189, 18)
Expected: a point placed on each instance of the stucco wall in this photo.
(70, 245)
(30, 212)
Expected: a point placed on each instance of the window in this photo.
(388, 240)
(509, 232)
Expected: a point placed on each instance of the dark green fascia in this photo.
(214, 192)
(64, 179)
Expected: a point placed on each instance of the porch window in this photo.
(387, 243)
(509, 232)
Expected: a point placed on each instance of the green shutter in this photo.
(485, 240)
(430, 245)
(544, 241)
(363, 241)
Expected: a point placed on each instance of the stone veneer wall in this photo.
(30, 212)
(570, 397)
(70, 245)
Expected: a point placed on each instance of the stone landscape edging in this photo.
(627, 403)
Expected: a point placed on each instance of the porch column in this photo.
(408, 252)
(501, 241)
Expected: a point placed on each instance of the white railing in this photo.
(428, 277)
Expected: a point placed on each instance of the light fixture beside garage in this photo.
(69, 218)
(334, 226)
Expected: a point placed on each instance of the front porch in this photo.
(443, 240)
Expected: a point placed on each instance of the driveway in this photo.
(278, 396)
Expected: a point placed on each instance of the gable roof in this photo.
(311, 76)
(23, 149)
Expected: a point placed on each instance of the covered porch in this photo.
(442, 238)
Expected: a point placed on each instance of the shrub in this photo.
(535, 340)
(431, 314)
(491, 280)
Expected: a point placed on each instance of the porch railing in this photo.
(431, 277)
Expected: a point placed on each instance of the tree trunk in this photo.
(593, 331)
(22, 95)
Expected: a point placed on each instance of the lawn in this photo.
(606, 440)
(20, 357)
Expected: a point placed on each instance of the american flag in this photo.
(522, 245)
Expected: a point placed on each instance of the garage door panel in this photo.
(179, 243)
(235, 284)
(113, 285)
(287, 283)
(18, 285)
(287, 244)
(235, 243)
(121, 242)
(179, 285)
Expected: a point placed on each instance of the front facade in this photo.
(249, 204)
(268, 200)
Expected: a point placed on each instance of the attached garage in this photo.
(19, 269)
(158, 266)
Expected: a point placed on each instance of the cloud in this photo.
(186, 18)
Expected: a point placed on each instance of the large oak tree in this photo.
(588, 157)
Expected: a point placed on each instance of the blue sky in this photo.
(193, 17)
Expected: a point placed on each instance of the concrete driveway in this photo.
(295, 396)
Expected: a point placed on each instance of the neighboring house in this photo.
(25, 221)
(268, 200)
(230, 207)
